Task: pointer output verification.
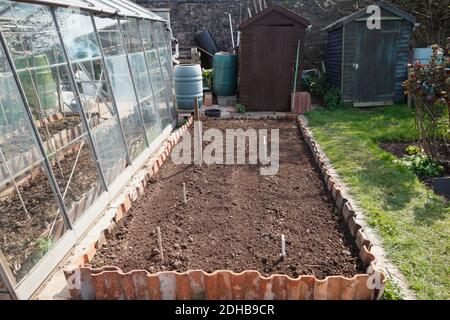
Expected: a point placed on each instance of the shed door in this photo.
(272, 68)
(374, 65)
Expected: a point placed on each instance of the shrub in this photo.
(208, 76)
(333, 98)
(318, 85)
(421, 165)
(429, 84)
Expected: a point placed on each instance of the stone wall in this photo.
(190, 16)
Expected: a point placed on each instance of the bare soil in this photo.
(234, 218)
(56, 126)
(397, 148)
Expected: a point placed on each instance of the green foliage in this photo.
(42, 245)
(240, 108)
(208, 76)
(411, 150)
(318, 85)
(333, 99)
(421, 165)
(392, 291)
(181, 123)
(288, 3)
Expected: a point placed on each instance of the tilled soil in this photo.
(55, 127)
(397, 148)
(234, 218)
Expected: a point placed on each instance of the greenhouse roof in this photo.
(121, 8)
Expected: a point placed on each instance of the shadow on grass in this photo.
(434, 209)
(394, 185)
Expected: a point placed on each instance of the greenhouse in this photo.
(85, 98)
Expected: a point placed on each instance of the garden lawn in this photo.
(412, 221)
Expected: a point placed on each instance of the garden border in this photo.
(110, 282)
(383, 263)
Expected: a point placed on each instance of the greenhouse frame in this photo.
(86, 97)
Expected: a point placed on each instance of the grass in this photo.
(413, 222)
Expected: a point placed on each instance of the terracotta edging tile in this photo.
(113, 283)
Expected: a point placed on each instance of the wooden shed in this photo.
(267, 58)
(369, 65)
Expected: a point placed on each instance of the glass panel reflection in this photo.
(141, 78)
(155, 71)
(77, 177)
(30, 222)
(85, 56)
(163, 42)
(122, 86)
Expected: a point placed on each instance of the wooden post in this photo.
(184, 193)
(196, 111)
(409, 88)
(158, 231)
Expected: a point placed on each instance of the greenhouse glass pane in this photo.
(163, 42)
(43, 70)
(17, 142)
(38, 58)
(85, 57)
(77, 177)
(30, 222)
(141, 79)
(3, 288)
(122, 86)
(155, 71)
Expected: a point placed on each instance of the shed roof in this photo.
(382, 4)
(281, 10)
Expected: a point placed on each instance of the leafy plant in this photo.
(333, 98)
(181, 123)
(392, 291)
(421, 165)
(207, 75)
(411, 150)
(317, 84)
(44, 244)
(240, 108)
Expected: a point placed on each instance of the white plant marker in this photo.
(231, 30)
(158, 231)
(283, 246)
(184, 193)
(198, 135)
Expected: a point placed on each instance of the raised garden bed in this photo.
(54, 127)
(234, 218)
(232, 221)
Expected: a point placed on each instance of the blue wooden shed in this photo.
(369, 65)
